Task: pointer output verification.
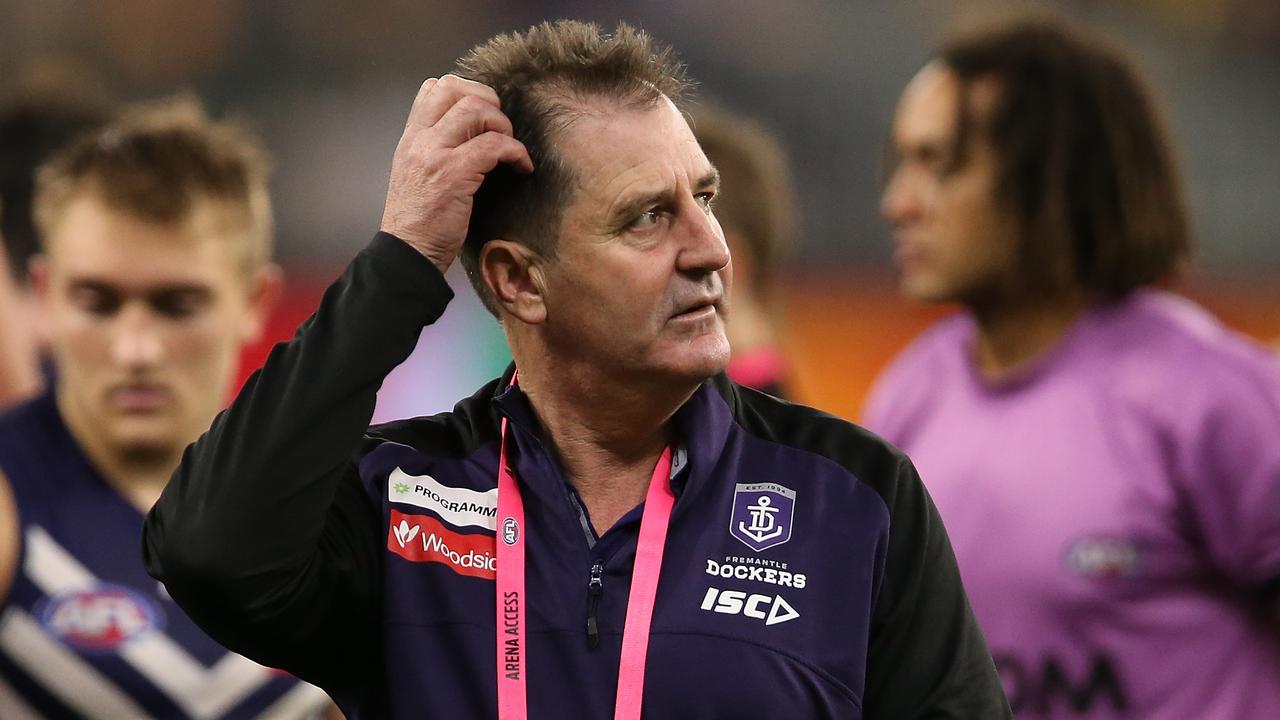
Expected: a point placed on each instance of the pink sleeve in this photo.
(1230, 465)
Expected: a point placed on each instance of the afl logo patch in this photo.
(1105, 558)
(510, 531)
(100, 619)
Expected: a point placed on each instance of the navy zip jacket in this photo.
(806, 574)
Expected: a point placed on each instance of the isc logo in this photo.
(771, 609)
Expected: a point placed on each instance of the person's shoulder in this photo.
(25, 427)
(34, 446)
(906, 382)
(455, 433)
(1166, 318)
(1162, 362)
(1188, 352)
(940, 341)
(863, 454)
(17, 417)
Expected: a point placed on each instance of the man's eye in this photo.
(706, 200)
(646, 219)
(178, 305)
(96, 301)
(938, 161)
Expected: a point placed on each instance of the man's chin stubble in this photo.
(147, 455)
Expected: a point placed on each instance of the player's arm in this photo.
(927, 658)
(1227, 467)
(265, 535)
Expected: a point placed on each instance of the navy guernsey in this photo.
(806, 573)
(85, 632)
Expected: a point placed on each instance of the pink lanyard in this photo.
(512, 603)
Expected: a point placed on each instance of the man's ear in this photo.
(514, 276)
(266, 287)
(38, 274)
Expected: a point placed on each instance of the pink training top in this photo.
(1115, 509)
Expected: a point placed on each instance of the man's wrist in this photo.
(440, 257)
(398, 258)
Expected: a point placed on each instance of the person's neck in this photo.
(609, 432)
(1014, 332)
(139, 477)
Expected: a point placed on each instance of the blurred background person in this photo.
(755, 208)
(156, 239)
(1105, 454)
(38, 119)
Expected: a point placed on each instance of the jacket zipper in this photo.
(595, 588)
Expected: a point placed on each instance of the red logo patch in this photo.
(420, 538)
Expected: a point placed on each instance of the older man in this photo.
(155, 272)
(615, 525)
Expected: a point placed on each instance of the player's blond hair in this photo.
(162, 162)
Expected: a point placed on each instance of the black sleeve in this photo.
(927, 657)
(264, 534)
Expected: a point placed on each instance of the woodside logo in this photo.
(421, 538)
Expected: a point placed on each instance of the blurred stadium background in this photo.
(328, 84)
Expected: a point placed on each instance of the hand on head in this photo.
(456, 132)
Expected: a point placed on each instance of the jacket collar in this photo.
(702, 427)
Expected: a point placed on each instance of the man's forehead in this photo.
(928, 110)
(94, 240)
(623, 146)
(104, 226)
(935, 101)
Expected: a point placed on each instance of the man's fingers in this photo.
(483, 153)
(433, 102)
(418, 100)
(480, 90)
(468, 118)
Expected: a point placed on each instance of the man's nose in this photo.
(137, 341)
(901, 201)
(705, 248)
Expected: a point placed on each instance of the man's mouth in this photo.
(140, 397)
(699, 313)
(906, 254)
(698, 310)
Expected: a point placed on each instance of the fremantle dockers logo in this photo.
(762, 514)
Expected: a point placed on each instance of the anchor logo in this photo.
(762, 514)
(763, 527)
